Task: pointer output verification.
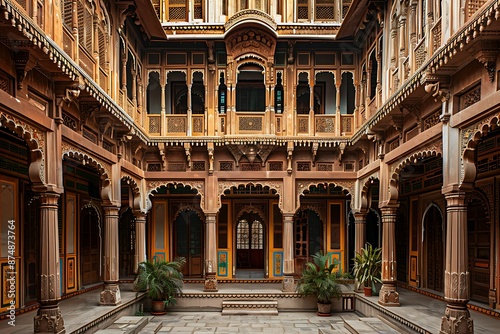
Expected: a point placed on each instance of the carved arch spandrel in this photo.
(251, 208)
(134, 185)
(227, 185)
(471, 136)
(35, 139)
(433, 150)
(317, 208)
(199, 186)
(302, 186)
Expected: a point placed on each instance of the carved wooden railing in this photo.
(302, 125)
(176, 124)
(346, 125)
(198, 125)
(154, 124)
(324, 125)
(436, 36)
(420, 54)
(250, 122)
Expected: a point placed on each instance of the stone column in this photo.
(48, 318)
(288, 282)
(456, 318)
(140, 239)
(360, 234)
(388, 294)
(360, 230)
(210, 253)
(111, 292)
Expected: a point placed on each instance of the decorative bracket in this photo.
(210, 148)
(314, 149)
(187, 150)
(24, 63)
(289, 157)
(489, 59)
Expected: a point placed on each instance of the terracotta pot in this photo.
(324, 309)
(368, 291)
(158, 307)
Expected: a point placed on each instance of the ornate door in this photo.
(433, 226)
(188, 242)
(90, 246)
(250, 242)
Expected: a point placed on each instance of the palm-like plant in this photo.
(318, 279)
(368, 266)
(161, 279)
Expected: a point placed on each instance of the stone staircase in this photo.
(370, 326)
(126, 325)
(249, 307)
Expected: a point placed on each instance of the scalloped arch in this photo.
(132, 183)
(251, 208)
(472, 137)
(102, 169)
(364, 192)
(394, 180)
(187, 207)
(196, 185)
(35, 141)
(303, 186)
(227, 185)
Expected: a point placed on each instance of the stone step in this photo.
(126, 325)
(243, 307)
(369, 326)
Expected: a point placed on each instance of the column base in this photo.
(288, 284)
(110, 296)
(388, 295)
(456, 320)
(49, 320)
(211, 284)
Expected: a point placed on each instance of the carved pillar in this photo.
(338, 84)
(48, 318)
(388, 294)
(189, 110)
(111, 293)
(163, 121)
(211, 253)
(140, 239)
(288, 283)
(360, 233)
(134, 88)
(456, 318)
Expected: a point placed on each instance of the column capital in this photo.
(49, 198)
(140, 217)
(111, 210)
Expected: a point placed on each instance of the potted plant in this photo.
(367, 268)
(162, 281)
(319, 279)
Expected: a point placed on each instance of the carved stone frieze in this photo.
(35, 140)
(199, 186)
(227, 185)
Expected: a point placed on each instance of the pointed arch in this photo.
(198, 186)
(302, 186)
(273, 185)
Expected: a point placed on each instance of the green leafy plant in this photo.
(162, 280)
(368, 266)
(318, 279)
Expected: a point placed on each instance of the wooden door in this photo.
(250, 242)
(90, 241)
(478, 228)
(435, 249)
(188, 242)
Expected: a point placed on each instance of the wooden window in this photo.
(278, 226)
(303, 9)
(198, 10)
(85, 25)
(325, 10)
(177, 10)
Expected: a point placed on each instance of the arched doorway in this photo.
(434, 248)
(188, 241)
(478, 230)
(308, 230)
(126, 235)
(90, 245)
(250, 241)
